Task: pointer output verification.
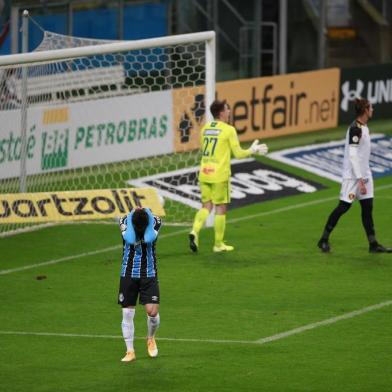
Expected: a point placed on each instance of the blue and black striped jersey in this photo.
(139, 260)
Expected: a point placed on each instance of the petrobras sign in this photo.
(326, 159)
(371, 82)
(89, 133)
(251, 182)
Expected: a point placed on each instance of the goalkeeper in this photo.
(218, 140)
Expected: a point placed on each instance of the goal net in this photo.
(80, 114)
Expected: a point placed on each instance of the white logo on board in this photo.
(350, 95)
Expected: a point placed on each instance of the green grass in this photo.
(274, 281)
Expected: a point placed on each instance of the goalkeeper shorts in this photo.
(217, 192)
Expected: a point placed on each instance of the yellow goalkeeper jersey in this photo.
(218, 141)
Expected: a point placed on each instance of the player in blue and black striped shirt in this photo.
(139, 276)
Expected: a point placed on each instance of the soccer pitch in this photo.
(274, 315)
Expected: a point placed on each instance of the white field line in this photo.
(76, 335)
(261, 341)
(111, 248)
(329, 321)
(80, 255)
(55, 261)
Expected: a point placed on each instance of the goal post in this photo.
(101, 115)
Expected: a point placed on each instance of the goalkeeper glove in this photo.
(260, 149)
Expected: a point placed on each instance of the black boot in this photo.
(323, 244)
(375, 247)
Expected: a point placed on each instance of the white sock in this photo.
(128, 328)
(152, 325)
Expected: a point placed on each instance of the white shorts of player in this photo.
(350, 191)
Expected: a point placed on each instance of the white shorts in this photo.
(350, 191)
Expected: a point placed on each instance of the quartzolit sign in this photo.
(75, 205)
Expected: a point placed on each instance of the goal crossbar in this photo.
(91, 50)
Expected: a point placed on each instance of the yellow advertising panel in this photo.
(267, 106)
(76, 205)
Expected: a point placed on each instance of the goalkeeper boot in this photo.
(129, 356)
(222, 248)
(324, 245)
(152, 347)
(378, 248)
(193, 241)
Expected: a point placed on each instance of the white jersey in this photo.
(358, 136)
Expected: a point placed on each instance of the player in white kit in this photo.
(357, 180)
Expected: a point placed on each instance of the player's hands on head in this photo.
(123, 223)
(258, 149)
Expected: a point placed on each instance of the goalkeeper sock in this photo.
(128, 328)
(200, 217)
(219, 227)
(152, 325)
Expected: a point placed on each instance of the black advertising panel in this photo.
(252, 181)
(371, 82)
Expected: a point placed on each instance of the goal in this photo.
(79, 114)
